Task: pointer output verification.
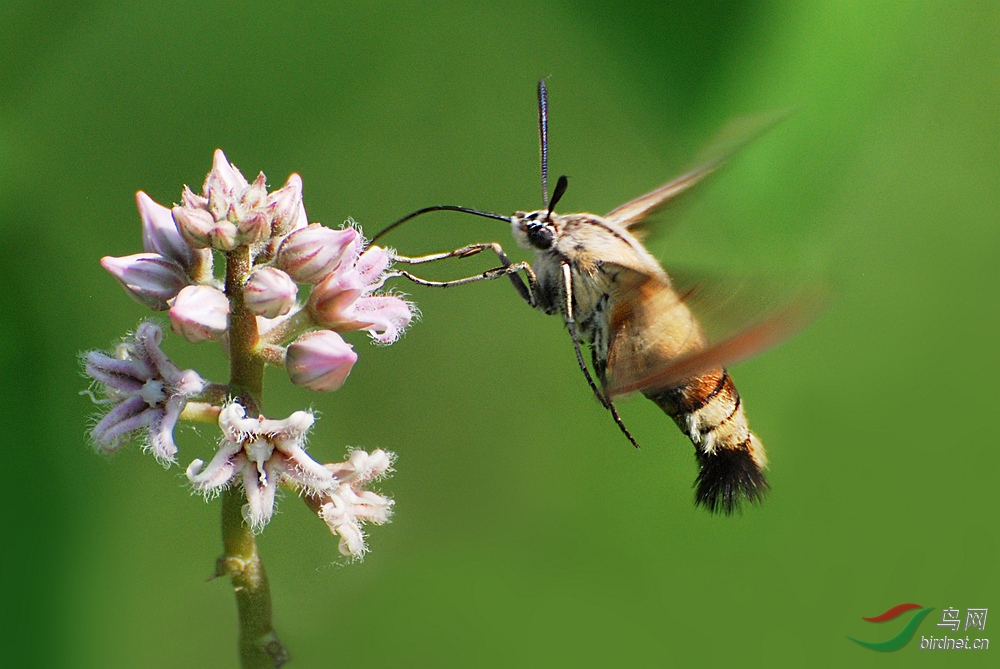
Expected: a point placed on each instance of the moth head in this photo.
(535, 231)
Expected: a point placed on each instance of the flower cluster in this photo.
(270, 250)
(175, 273)
(259, 453)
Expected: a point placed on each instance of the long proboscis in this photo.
(442, 207)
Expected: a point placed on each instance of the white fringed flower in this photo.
(260, 453)
(348, 507)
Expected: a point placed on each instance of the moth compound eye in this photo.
(540, 236)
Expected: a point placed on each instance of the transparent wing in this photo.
(700, 323)
(726, 304)
(639, 215)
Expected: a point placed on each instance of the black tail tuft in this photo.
(727, 477)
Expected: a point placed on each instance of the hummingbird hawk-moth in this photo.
(638, 324)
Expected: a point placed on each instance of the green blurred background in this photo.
(528, 532)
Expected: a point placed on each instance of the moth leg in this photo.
(464, 252)
(571, 323)
(507, 268)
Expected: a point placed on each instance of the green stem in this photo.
(292, 327)
(245, 366)
(260, 647)
(201, 412)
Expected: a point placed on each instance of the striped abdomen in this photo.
(708, 409)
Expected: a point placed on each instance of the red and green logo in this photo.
(905, 634)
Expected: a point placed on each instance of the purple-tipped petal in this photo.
(130, 415)
(147, 345)
(149, 278)
(160, 234)
(117, 375)
(161, 430)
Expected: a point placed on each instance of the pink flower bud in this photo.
(195, 225)
(320, 360)
(310, 254)
(193, 200)
(331, 300)
(269, 292)
(202, 231)
(160, 234)
(255, 195)
(224, 176)
(224, 188)
(149, 278)
(200, 313)
(254, 226)
(284, 204)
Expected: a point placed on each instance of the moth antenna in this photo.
(441, 207)
(543, 138)
(557, 195)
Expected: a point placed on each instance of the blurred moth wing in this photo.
(639, 216)
(657, 335)
(670, 357)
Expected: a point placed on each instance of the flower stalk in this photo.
(268, 247)
(245, 367)
(260, 647)
(259, 644)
